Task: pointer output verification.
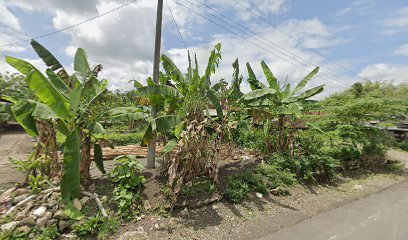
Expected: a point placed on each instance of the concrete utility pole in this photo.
(151, 155)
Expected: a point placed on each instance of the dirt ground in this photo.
(15, 144)
(252, 219)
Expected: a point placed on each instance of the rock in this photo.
(23, 214)
(259, 195)
(84, 200)
(59, 214)
(20, 198)
(68, 236)
(42, 222)
(77, 204)
(51, 203)
(62, 225)
(9, 226)
(147, 206)
(92, 187)
(52, 222)
(6, 196)
(29, 221)
(104, 198)
(214, 207)
(55, 196)
(358, 187)
(20, 191)
(156, 226)
(24, 229)
(39, 212)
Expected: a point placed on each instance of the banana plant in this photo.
(176, 95)
(278, 99)
(68, 107)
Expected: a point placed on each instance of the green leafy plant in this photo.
(37, 183)
(96, 226)
(129, 183)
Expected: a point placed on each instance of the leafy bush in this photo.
(403, 145)
(98, 226)
(250, 137)
(129, 182)
(262, 179)
(124, 139)
(308, 168)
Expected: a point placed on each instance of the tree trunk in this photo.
(281, 132)
(53, 146)
(86, 156)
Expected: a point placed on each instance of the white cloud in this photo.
(397, 23)
(8, 19)
(357, 6)
(401, 50)
(385, 72)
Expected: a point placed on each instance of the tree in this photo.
(278, 100)
(66, 101)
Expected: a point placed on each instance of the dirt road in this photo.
(17, 145)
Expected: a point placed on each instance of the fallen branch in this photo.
(98, 202)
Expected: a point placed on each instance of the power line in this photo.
(307, 64)
(177, 26)
(69, 27)
(238, 35)
(292, 37)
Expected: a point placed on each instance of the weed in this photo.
(96, 226)
(129, 182)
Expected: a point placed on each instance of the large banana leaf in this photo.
(215, 101)
(311, 92)
(22, 113)
(165, 123)
(58, 83)
(42, 111)
(75, 97)
(22, 66)
(5, 112)
(254, 83)
(273, 82)
(172, 70)
(259, 93)
(303, 83)
(96, 90)
(48, 94)
(126, 114)
(70, 182)
(46, 56)
(42, 87)
(98, 158)
(160, 90)
(81, 65)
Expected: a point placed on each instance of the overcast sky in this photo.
(350, 40)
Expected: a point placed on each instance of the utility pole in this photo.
(151, 155)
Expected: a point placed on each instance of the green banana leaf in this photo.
(81, 65)
(160, 90)
(303, 83)
(98, 158)
(22, 113)
(273, 82)
(70, 182)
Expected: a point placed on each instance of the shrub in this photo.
(250, 137)
(129, 182)
(261, 179)
(124, 139)
(403, 145)
(307, 168)
(98, 226)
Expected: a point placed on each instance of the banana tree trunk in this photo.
(85, 156)
(281, 132)
(53, 146)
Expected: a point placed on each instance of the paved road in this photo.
(382, 216)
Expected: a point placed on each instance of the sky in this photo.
(356, 40)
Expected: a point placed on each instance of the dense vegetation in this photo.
(301, 139)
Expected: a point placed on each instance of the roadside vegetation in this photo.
(201, 121)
